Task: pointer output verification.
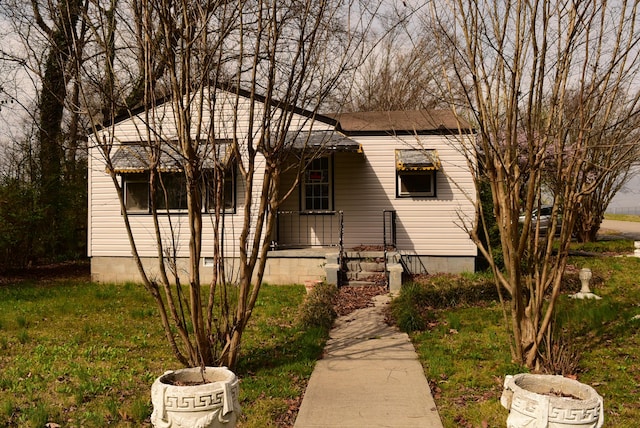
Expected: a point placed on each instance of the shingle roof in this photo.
(414, 121)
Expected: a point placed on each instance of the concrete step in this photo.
(363, 254)
(365, 278)
(361, 283)
(363, 275)
(365, 265)
(366, 268)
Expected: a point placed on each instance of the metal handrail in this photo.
(388, 225)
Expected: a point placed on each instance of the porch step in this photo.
(364, 268)
(362, 284)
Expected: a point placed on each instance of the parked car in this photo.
(544, 218)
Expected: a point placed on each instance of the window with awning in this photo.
(417, 160)
(416, 172)
(132, 162)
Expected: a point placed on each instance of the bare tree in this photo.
(525, 65)
(237, 74)
(403, 74)
(612, 149)
(396, 78)
(41, 47)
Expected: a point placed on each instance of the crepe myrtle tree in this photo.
(611, 151)
(234, 72)
(541, 77)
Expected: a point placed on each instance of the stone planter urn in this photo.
(180, 399)
(548, 401)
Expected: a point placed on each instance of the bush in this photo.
(19, 217)
(317, 309)
(411, 310)
(560, 357)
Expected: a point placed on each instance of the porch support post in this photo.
(332, 268)
(395, 278)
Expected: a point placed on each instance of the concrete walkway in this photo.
(627, 229)
(369, 376)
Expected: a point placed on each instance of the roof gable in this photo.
(233, 91)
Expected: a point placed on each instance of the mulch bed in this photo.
(352, 298)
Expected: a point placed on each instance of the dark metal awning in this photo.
(417, 160)
(138, 157)
(323, 141)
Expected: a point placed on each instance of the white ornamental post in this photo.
(585, 276)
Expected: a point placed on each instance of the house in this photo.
(393, 182)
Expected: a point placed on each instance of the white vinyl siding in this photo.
(424, 226)
(107, 234)
(365, 186)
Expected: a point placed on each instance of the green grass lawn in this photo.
(465, 350)
(85, 355)
(623, 217)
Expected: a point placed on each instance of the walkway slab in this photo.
(369, 376)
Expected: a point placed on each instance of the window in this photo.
(416, 172)
(136, 192)
(171, 193)
(416, 183)
(228, 188)
(172, 185)
(317, 186)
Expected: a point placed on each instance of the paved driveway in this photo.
(628, 229)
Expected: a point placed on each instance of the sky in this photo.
(627, 201)
(12, 127)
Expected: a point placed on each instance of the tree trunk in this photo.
(51, 106)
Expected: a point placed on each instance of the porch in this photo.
(317, 239)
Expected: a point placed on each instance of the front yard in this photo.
(80, 354)
(464, 347)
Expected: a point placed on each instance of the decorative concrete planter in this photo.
(181, 400)
(547, 401)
